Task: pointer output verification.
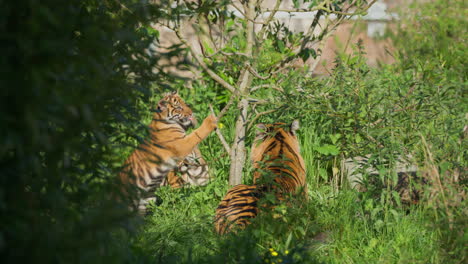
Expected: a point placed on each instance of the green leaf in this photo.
(358, 138)
(328, 150)
(323, 173)
(334, 138)
(230, 23)
(373, 242)
(281, 46)
(207, 47)
(288, 240)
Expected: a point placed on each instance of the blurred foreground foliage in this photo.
(72, 74)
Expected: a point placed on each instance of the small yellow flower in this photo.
(280, 260)
(274, 253)
(286, 252)
(271, 250)
(220, 125)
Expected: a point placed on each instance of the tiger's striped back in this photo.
(237, 208)
(279, 169)
(277, 159)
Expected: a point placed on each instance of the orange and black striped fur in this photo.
(279, 169)
(168, 150)
(276, 157)
(237, 208)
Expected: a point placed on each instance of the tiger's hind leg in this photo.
(174, 180)
(237, 208)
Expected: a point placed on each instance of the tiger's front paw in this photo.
(211, 122)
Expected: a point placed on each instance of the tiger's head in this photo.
(267, 135)
(173, 109)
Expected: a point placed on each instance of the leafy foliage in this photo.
(72, 76)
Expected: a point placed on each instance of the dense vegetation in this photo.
(77, 92)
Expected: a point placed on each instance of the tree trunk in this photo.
(238, 147)
(245, 79)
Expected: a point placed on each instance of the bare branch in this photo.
(323, 7)
(257, 101)
(255, 73)
(234, 53)
(205, 34)
(375, 141)
(220, 135)
(257, 116)
(247, 17)
(317, 59)
(278, 88)
(269, 19)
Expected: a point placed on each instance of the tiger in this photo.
(193, 170)
(237, 207)
(275, 155)
(168, 150)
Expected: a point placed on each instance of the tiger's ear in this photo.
(294, 126)
(175, 92)
(261, 130)
(162, 105)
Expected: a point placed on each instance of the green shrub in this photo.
(72, 73)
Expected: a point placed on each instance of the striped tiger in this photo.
(168, 151)
(276, 157)
(277, 161)
(238, 206)
(193, 170)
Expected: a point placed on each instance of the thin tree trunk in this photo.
(238, 147)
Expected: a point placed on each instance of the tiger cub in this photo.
(193, 170)
(279, 169)
(167, 150)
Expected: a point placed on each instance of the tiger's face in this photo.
(272, 136)
(173, 108)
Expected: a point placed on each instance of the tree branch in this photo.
(255, 73)
(202, 64)
(278, 88)
(259, 115)
(322, 7)
(246, 17)
(226, 107)
(269, 19)
(220, 135)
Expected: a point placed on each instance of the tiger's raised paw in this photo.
(210, 122)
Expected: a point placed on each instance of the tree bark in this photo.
(238, 147)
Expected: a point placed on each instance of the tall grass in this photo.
(332, 227)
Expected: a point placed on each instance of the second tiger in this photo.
(279, 168)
